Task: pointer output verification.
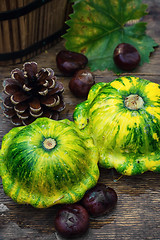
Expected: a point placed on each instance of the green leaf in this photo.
(96, 27)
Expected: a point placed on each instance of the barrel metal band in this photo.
(30, 49)
(18, 12)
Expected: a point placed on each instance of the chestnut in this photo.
(69, 62)
(72, 220)
(99, 200)
(126, 56)
(81, 83)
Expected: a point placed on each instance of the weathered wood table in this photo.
(137, 215)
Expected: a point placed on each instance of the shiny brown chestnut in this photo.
(72, 221)
(69, 62)
(126, 56)
(81, 83)
(99, 200)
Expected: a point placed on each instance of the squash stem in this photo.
(134, 102)
(49, 143)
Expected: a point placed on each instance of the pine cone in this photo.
(30, 94)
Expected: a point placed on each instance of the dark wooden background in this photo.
(137, 215)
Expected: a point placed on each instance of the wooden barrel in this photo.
(29, 27)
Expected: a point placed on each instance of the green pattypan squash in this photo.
(48, 162)
(123, 118)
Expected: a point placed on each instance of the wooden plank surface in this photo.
(137, 215)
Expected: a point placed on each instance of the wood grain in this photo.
(137, 215)
(23, 32)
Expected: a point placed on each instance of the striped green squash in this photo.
(123, 117)
(48, 162)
